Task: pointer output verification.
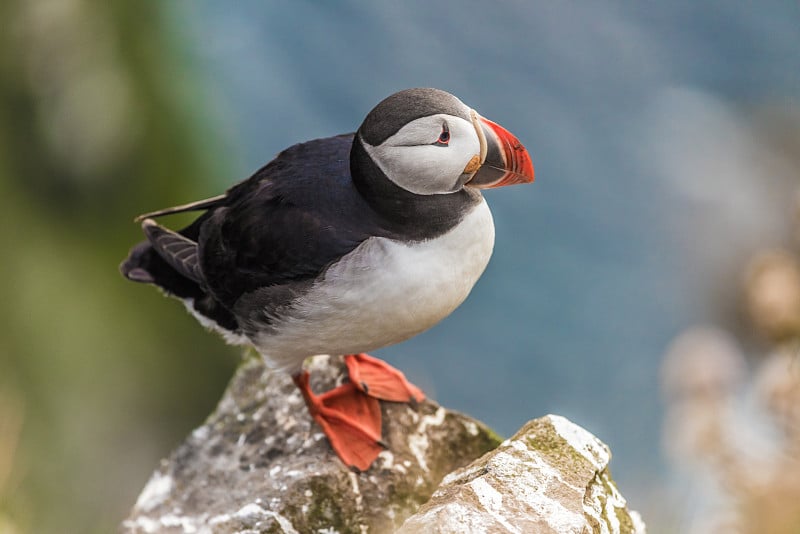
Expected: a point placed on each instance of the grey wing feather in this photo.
(192, 206)
(178, 251)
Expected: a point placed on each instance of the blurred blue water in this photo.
(587, 284)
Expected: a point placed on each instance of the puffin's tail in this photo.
(145, 265)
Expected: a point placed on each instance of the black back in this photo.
(288, 222)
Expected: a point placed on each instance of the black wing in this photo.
(286, 224)
(271, 233)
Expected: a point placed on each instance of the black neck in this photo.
(405, 213)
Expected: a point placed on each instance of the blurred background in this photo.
(646, 286)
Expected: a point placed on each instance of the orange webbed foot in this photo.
(378, 379)
(349, 418)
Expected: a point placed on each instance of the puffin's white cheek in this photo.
(411, 160)
(427, 170)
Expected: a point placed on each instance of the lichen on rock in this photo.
(552, 476)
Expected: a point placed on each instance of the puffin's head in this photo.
(429, 142)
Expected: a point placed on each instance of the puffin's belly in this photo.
(382, 293)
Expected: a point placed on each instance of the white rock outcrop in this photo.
(551, 477)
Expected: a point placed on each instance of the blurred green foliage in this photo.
(101, 118)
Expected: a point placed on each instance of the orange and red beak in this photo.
(506, 162)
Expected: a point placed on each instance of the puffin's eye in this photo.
(444, 137)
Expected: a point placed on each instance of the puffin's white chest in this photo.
(382, 293)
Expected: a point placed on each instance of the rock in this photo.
(259, 464)
(551, 477)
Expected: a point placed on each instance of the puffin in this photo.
(342, 246)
